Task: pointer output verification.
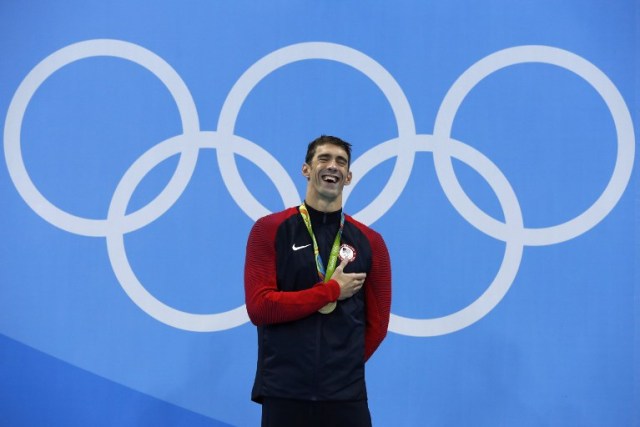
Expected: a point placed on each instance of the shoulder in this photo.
(364, 229)
(274, 220)
(265, 229)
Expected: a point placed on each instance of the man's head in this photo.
(327, 139)
(326, 168)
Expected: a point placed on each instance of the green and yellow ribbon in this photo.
(325, 275)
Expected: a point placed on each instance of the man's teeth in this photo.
(331, 179)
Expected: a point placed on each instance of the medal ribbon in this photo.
(325, 275)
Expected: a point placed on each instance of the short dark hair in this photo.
(327, 139)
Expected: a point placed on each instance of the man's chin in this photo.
(334, 189)
(330, 193)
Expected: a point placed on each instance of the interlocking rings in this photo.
(403, 148)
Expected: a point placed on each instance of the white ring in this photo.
(605, 88)
(304, 51)
(13, 154)
(117, 214)
(514, 246)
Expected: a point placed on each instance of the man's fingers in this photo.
(342, 265)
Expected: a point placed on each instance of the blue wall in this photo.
(493, 149)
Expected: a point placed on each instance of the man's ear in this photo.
(306, 171)
(347, 181)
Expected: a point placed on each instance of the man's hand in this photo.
(350, 283)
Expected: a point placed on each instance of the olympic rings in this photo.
(403, 148)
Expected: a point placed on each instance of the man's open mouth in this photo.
(330, 178)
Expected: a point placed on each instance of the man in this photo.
(318, 287)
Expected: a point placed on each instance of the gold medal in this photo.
(328, 308)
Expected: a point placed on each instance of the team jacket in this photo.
(303, 354)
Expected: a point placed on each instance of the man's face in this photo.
(328, 172)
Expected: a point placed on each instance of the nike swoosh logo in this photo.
(297, 248)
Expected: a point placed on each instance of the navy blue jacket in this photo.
(303, 354)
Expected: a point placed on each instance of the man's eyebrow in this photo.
(324, 156)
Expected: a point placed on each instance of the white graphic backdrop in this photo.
(494, 149)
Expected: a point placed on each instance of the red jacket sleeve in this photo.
(266, 304)
(377, 289)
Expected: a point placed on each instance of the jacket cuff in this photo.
(334, 289)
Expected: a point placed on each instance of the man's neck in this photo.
(324, 205)
(323, 218)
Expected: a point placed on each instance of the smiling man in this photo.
(318, 288)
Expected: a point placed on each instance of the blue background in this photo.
(561, 348)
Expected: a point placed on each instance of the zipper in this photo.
(316, 365)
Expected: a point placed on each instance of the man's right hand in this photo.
(350, 283)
